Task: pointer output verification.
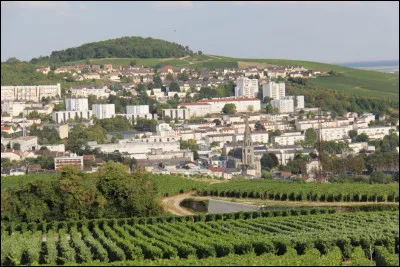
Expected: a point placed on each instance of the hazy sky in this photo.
(318, 31)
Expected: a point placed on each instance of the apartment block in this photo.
(274, 90)
(76, 104)
(246, 87)
(103, 111)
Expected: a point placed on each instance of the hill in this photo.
(151, 52)
(118, 48)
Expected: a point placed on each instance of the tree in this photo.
(353, 135)
(250, 108)
(214, 144)
(174, 87)
(355, 164)
(269, 161)
(362, 138)
(169, 77)
(310, 139)
(17, 146)
(167, 119)
(133, 62)
(200, 53)
(116, 137)
(183, 76)
(195, 155)
(229, 109)
(258, 126)
(157, 82)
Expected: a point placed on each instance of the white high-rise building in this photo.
(246, 87)
(76, 104)
(274, 90)
(284, 105)
(137, 109)
(299, 100)
(103, 111)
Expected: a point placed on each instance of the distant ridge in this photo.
(364, 64)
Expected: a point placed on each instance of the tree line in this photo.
(125, 47)
(110, 193)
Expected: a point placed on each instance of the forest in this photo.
(125, 47)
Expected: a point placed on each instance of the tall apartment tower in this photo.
(76, 104)
(246, 87)
(103, 111)
(274, 90)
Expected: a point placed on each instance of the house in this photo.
(44, 70)
(319, 71)
(90, 76)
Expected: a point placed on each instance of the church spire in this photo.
(248, 149)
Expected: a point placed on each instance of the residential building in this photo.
(298, 104)
(76, 104)
(376, 132)
(246, 87)
(26, 143)
(63, 116)
(176, 113)
(83, 91)
(73, 160)
(30, 92)
(288, 138)
(103, 111)
(335, 133)
(274, 90)
(284, 105)
(197, 109)
(242, 104)
(137, 109)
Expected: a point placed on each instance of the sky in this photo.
(332, 32)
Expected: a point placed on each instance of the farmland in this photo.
(321, 238)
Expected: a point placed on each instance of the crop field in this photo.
(274, 190)
(360, 238)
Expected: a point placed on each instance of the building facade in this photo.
(246, 87)
(284, 105)
(103, 111)
(30, 92)
(76, 104)
(274, 90)
(176, 113)
(63, 116)
(72, 160)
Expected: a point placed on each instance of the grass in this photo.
(20, 180)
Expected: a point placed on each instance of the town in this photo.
(221, 123)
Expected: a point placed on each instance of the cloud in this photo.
(174, 4)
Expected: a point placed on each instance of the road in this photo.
(171, 204)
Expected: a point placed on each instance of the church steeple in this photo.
(248, 149)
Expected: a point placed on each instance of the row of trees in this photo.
(110, 193)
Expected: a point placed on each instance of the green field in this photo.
(290, 239)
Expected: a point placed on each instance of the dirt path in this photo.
(172, 204)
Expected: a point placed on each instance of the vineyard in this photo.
(274, 190)
(255, 239)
